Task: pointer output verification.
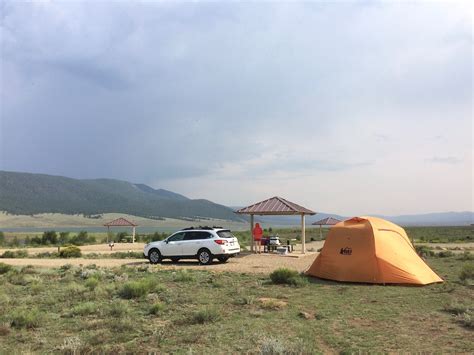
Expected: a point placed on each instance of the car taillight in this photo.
(221, 242)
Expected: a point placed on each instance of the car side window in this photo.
(202, 235)
(196, 235)
(188, 236)
(176, 237)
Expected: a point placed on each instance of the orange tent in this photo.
(373, 250)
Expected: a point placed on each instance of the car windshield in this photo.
(225, 234)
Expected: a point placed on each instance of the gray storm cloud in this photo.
(163, 93)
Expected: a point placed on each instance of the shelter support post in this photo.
(133, 235)
(252, 246)
(303, 235)
(108, 233)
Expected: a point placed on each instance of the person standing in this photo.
(257, 237)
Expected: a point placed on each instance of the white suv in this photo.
(203, 243)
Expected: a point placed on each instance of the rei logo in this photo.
(346, 251)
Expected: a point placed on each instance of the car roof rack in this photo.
(201, 227)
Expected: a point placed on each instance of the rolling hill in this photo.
(25, 193)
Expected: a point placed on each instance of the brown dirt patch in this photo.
(272, 303)
(245, 263)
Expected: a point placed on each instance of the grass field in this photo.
(146, 308)
(417, 234)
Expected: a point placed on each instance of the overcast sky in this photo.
(348, 108)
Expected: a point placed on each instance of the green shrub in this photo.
(467, 273)
(65, 267)
(466, 256)
(64, 238)
(122, 325)
(26, 318)
(205, 315)
(147, 238)
(125, 255)
(2, 238)
(4, 268)
(245, 300)
(91, 283)
(118, 309)
(74, 289)
(83, 309)
(28, 269)
(35, 240)
(47, 255)
(82, 238)
(136, 289)
(456, 308)
(273, 346)
(466, 319)
(183, 276)
(14, 254)
(156, 308)
(14, 242)
(445, 254)
(49, 237)
(70, 252)
(18, 279)
(285, 276)
(424, 251)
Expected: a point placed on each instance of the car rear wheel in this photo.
(154, 256)
(223, 259)
(204, 257)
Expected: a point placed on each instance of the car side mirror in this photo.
(166, 241)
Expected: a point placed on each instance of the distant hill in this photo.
(428, 219)
(25, 193)
(434, 219)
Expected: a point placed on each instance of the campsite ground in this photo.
(141, 308)
(100, 303)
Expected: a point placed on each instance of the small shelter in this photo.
(121, 222)
(277, 206)
(329, 221)
(371, 250)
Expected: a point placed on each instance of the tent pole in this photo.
(303, 235)
(133, 235)
(252, 247)
(108, 232)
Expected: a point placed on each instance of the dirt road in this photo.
(86, 249)
(246, 263)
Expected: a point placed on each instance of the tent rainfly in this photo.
(121, 222)
(371, 250)
(277, 206)
(329, 221)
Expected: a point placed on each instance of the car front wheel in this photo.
(204, 257)
(154, 256)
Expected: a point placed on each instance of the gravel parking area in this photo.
(243, 263)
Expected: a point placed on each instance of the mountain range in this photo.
(29, 194)
(427, 219)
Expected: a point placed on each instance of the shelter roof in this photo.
(120, 222)
(329, 221)
(275, 206)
